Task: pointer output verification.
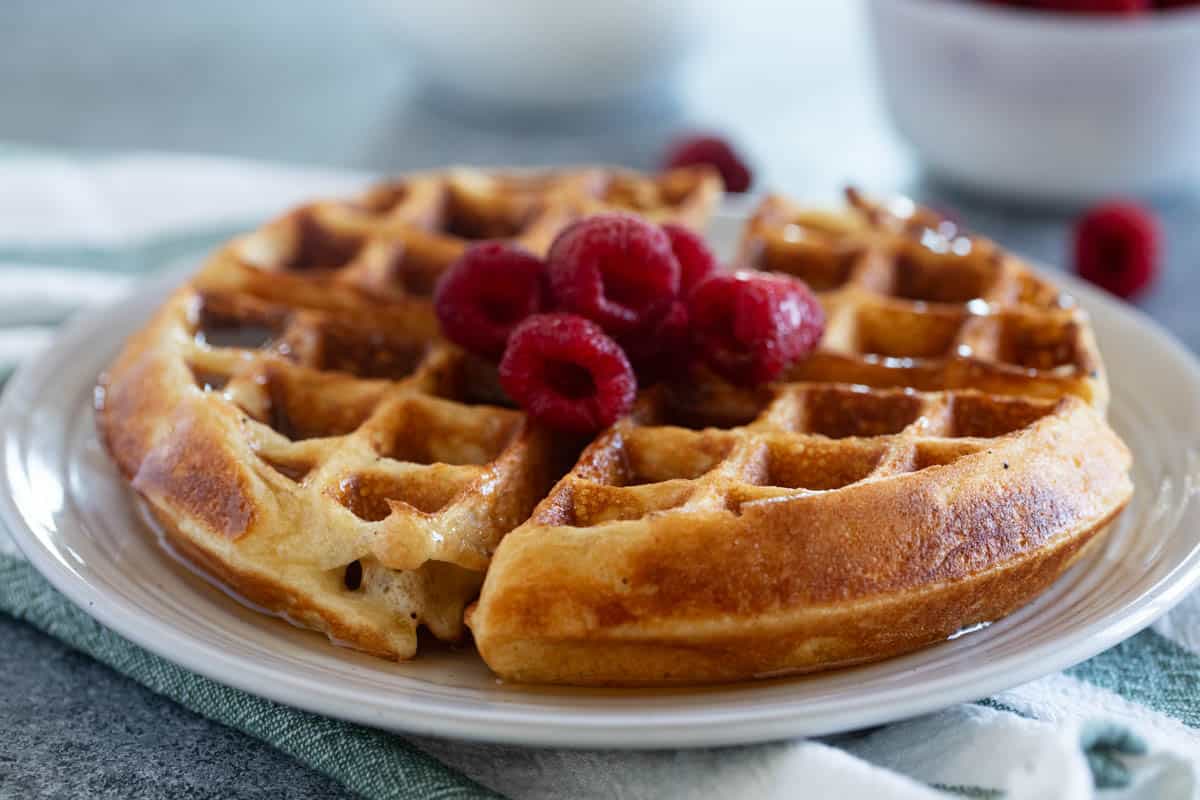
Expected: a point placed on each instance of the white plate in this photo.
(81, 527)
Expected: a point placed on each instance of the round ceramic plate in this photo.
(83, 529)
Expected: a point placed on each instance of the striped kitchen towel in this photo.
(76, 232)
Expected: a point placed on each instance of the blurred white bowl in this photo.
(1045, 106)
(544, 53)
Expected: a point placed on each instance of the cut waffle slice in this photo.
(796, 528)
(913, 301)
(350, 480)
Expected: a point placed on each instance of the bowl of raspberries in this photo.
(1050, 100)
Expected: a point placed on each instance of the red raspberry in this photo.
(1117, 247)
(696, 261)
(1093, 6)
(662, 351)
(484, 294)
(749, 326)
(615, 269)
(715, 152)
(567, 373)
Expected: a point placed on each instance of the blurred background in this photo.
(1031, 115)
(343, 84)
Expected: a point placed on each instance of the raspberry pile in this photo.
(619, 302)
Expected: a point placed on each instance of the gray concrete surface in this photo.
(72, 728)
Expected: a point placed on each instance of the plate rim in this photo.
(408, 711)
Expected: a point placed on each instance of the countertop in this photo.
(326, 83)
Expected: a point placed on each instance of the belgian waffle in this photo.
(301, 431)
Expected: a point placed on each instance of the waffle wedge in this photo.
(807, 527)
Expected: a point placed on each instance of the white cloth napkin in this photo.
(72, 233)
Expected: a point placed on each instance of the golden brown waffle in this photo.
(301, 431)
(913, 301)
(802, 527)
(344, 477)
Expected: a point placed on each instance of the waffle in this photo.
(832, 525)
(719, 534)
(302, 433)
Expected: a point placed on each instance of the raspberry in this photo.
(696, 261)
(664, 350)
(715, 152)
(1083, 6)
(567, 373)
(1117, 247)
(749, 326)
(1093, 6)
(484, 294)
(615, 269)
